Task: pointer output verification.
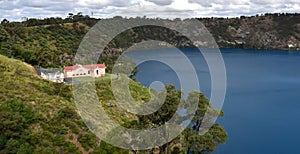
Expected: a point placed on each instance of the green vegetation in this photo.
(266, 31)
(45, 46)
(34, 112)
(53, 42)
(39, 116)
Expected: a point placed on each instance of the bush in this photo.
(12, 146)
(3, 141)
(67, 113)
(87, 140)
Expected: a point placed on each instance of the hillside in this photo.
(53, 42)
(39, 116)
(271, 31)
(46, 46)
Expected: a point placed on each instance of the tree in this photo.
(70, 15)
(189, 140)
(4, 21)
(191, 137)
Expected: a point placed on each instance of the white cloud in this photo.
(16, 9)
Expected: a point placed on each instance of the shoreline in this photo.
(275, 49)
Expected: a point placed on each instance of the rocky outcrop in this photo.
(270, 31)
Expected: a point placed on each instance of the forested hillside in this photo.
(51, 45)
(269, 31)
(53, 42)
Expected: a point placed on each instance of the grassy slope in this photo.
(49, 120)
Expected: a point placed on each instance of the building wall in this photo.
(68, 74)
(81, 71)
(56, 77)
(99, 72)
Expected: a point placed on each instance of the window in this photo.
(73, 74)
(97, 72)
(89, 72)
(84, 73)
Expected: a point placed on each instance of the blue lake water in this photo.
(262, 103)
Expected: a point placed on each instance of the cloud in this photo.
(102, 3)
(233, 8)
(161, 2)
(16, 9)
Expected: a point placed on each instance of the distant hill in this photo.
(53, 42)
(270, 31)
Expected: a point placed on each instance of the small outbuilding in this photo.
(54, 75)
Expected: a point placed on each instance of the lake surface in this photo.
(262, 103)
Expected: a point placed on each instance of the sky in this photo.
(16, 10)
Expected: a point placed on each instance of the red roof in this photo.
(93, 66)
(70, 68)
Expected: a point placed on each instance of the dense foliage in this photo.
(53, 42)
(39, 116)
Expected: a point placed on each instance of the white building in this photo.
(51, 74)
(94, 70)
